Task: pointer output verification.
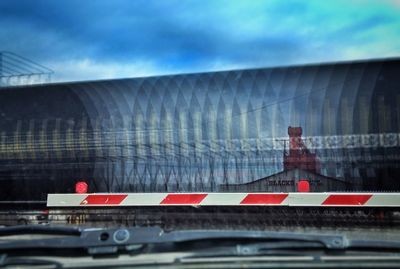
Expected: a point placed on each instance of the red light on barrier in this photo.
(303, 186)
(81, 187)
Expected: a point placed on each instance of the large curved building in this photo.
(195, 132)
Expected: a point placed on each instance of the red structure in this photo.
(299, 156)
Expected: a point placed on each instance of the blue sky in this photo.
(102, 39)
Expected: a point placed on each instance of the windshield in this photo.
(263, 116)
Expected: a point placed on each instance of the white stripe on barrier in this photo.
(65, 199)
(387, 199)
(224, 199)
(143, 199)
(311, 199)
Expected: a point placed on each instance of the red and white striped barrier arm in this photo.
(224, 199)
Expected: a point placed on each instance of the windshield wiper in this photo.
(15, 261)
(40, 229)
(153, 239)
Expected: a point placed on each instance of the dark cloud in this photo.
(184, 35)
(123, 27)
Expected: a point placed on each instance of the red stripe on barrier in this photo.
(264, 199)
(104, 199)
(183, 199)
(347, 199)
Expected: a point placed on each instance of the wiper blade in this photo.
(15, 261)
(40, 229)
(86, 238)
(102, 241)
(328, 241)
(256, 249)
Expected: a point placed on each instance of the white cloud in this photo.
(87, 69)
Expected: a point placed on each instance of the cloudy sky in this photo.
(100, 39)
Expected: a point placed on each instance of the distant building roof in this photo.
(286, 181)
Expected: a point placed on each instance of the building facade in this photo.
(194, 132)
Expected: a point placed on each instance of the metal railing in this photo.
(18, 70)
